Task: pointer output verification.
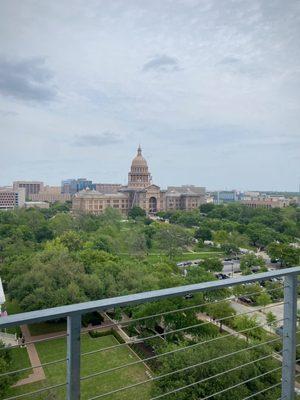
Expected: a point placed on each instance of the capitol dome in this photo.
(139, 160)
(139, 177)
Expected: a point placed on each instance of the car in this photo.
(188, 296)
(222, 276)
(244, 299)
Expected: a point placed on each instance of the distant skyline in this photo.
(210, 88)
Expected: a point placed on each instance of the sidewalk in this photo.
(37, 374)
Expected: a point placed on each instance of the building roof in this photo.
(95, 194)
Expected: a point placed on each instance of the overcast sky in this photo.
(210, 88)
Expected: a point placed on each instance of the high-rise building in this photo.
(11, 198)
(225, 196)
(31, 187)
(141, 192)
(72, 186)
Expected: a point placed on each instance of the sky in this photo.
(209, 88)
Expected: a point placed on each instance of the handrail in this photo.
(105, 304)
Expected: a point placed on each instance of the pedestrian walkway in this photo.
(38, 373)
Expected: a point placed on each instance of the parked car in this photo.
(222, 276)
(245, 300)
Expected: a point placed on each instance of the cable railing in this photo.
(176, 343)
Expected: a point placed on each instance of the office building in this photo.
(11, 198)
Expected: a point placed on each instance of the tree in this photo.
(136, 212)
(249, 327)
(72, 240)
(260, 235)
(286, 254)
(271, 319)
(203, 233)
(220, 311)
(263, 299)
(230, 249)
(188, 378)
(172, 239)
(136, 243)
(48, 279)
(221, 237)
(206, 208)
(61, 223)
(212, 264)
(5, 365)
(250, 260)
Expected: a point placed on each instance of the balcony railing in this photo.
(73, 314)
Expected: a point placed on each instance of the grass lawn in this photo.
(55, 374)
(187, 256)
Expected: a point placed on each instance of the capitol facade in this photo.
(141, 192)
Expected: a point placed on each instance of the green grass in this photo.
(188, 256)
(56, 373)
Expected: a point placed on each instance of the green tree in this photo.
(203, 233)
(136, 243)
(286, 254)
(249, 327)
(249, 261)
(260, 235)
(172, 239)
(5, 366)
(263, 299)
(72, 240)
(136, 212)
(230, 249)
(271, 319)
(212, 264)
(206, 208)
(188, 376)
(61, 223)
(220, 311)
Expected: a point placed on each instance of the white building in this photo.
(12, 198)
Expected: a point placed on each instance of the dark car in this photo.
(244, 299)
(222, 276)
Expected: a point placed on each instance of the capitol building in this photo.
(140, 191)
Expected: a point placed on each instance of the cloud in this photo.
(162, 63)
(230, 60)
(4, 113)
(102, 139)
(27, 80)
(250, 68)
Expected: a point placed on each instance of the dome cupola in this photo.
(139, 176)
(139, 160)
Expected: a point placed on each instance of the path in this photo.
(205, 317)
(38, 373)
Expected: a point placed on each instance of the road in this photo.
(277, 310)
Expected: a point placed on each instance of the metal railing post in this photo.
(289, 337)
(73, 357)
